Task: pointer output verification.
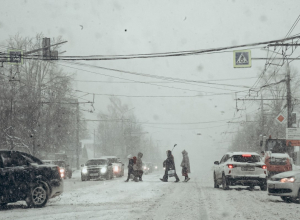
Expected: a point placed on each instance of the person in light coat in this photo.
(185, 164)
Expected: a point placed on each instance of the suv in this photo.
(24, 177)
(240, 168)
(118, 166)
(96, 168)
(65, 170)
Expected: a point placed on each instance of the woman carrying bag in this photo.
(170, 170)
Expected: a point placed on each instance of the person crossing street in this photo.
(169, 165)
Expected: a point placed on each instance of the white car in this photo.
(286, 185)
(240, 168)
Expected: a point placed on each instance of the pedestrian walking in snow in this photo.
(185, 164)
(139, 164)
(170, 170)
(130, 167)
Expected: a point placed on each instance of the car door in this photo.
(218, 169)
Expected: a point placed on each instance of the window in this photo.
(223, 159)
(13, 159)
(246, 159)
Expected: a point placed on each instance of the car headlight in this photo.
(62, 170)
(103, 170)
(288, 180)
(116, 169)
(144, 168)
(155, 167)
(84, 170)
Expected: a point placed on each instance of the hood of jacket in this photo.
(184, 152)
(169, 153)
(140, 155)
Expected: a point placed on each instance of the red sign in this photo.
(292, 143)
(280, 118)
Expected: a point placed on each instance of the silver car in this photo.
(286, 185)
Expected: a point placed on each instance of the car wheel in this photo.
(215, 182)
(286, 199)
(38, 196)
(70, 175)
(264, 186)
(108, 176)
(224, 183)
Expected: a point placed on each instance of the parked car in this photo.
(240, 168)
(96, 168)
(277, 163)
(65, 170)
(118, 166)
(286, 185)
(28, 178)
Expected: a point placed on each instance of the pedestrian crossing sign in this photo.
(242, 58)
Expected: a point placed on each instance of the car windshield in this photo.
(96, 162)
(246, 159)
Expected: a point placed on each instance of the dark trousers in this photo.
(130, 171)
(166, 175)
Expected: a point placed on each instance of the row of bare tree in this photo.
(35, 110)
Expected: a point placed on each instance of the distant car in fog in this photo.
(24, 177)
(118, 166)
(65, 170)
(240, 168)
(96, 168)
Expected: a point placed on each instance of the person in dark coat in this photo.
(139, 164)
(185, 164)
(130, 167)
(169, 164)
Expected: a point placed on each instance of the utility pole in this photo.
(77, 137)
(288, 97)
(94, 145)
(262, 116)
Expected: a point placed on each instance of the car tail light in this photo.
(246, 155)
(230, 166)
(264, 167)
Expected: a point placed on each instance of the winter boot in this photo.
(164, 180)
(177, 180)
(136, 179)
(187, 179)
(126, 180)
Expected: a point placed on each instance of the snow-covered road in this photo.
(153, 199)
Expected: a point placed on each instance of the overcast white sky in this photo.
(135, 26)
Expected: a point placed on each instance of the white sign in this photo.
(293, 133)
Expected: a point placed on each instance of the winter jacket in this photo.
(169, 163)
(130, 164)
(139, 162)
(186, 161)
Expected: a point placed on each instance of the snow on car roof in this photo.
(240, 153)
(279, 155)
(108, 157)
(101, 158)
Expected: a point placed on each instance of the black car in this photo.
(24, 177)
(97, 168)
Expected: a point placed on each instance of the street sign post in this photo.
(15, 57)
(242, 58)
(293, 136)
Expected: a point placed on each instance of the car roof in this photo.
(98, 158)
(279, 155)
(241, 153)
(107, 157)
